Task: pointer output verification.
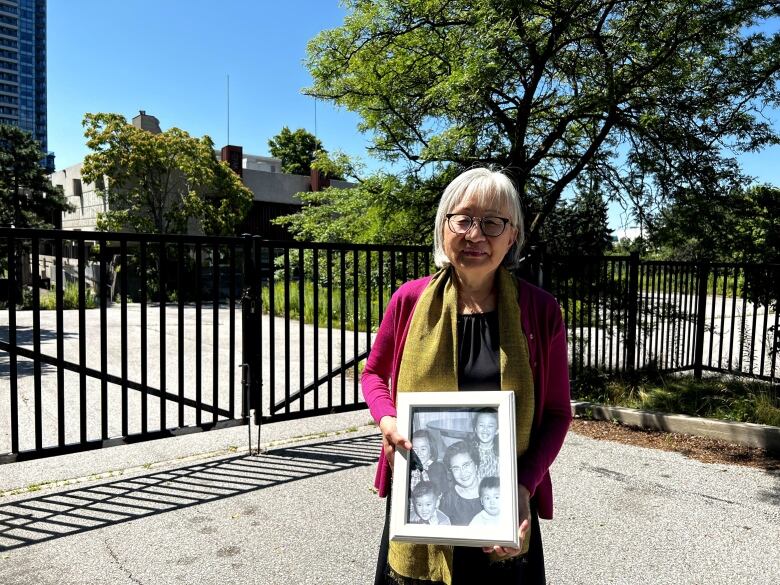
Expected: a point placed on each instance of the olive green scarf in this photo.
(430, 363)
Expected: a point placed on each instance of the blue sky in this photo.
(172, 58)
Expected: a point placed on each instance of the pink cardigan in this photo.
(544, 329)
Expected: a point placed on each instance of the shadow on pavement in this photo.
(55, 515)
(773, 496)
(24, 337)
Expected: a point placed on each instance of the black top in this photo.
(478, 367)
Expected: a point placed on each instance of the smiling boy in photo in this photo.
(425, 505)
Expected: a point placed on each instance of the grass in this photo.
(334, 315)
(722, 397)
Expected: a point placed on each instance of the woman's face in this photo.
(463, 470)
(485, 427)
(474, 255)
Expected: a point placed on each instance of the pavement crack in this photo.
(120, 564)
(716, 499)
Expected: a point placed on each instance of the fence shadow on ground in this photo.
(772, 496)
(25, 337)
(56, 515)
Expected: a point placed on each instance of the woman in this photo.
(461, 502)
(444, 332)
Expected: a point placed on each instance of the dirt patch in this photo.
(701, 448)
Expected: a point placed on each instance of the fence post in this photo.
(633, 307)
(701, 316)
(250, 331)
(543, 270)
(532, 265)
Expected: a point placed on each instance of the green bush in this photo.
(713, 397)
(70, 298)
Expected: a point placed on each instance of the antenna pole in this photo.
(228, 108)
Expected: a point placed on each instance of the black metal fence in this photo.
(110, 338)
(624, 314)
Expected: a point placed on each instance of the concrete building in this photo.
(23, 68)
(274, 191)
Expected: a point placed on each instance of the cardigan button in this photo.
(531, 336)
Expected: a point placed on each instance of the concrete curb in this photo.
(750, 434)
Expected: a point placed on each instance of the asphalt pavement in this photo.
(200, 509)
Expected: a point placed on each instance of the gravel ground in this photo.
(703, 449)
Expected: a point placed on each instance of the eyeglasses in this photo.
(491, 226)
(465, 468)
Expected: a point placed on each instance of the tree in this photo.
(739, 226)
(652, 97)
(381, 208)
(27, 197)
(162, 183)
(296, 149)
(579, 227)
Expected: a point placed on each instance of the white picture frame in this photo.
(447, 422)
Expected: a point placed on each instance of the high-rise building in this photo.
(23, 67)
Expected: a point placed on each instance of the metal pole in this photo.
(633, 305)
(701, 314)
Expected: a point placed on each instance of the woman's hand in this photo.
(524, 506)
(392, 439)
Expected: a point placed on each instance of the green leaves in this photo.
(738, 226)
(27, 197)
(169, 182)
(379, 209)
(296, 149)
(653, 97)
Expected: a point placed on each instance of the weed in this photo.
(715, 397)
(70, 298)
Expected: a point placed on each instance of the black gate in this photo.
(109, 338)
(309, 318)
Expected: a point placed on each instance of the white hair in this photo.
(489, 189)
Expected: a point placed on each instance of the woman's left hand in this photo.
(524, 505)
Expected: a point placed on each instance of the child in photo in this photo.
(486, 441)
(425, 505)
(490, 498)
(424, 462)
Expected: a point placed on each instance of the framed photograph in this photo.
(457, 485)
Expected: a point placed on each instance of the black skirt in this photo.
(470, 565)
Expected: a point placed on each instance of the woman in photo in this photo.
(474, 326)
(461, 502)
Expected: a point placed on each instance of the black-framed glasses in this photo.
(465, 468)
(491, 226)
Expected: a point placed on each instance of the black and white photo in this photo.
(448, 488)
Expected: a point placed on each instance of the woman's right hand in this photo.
(392, 439)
